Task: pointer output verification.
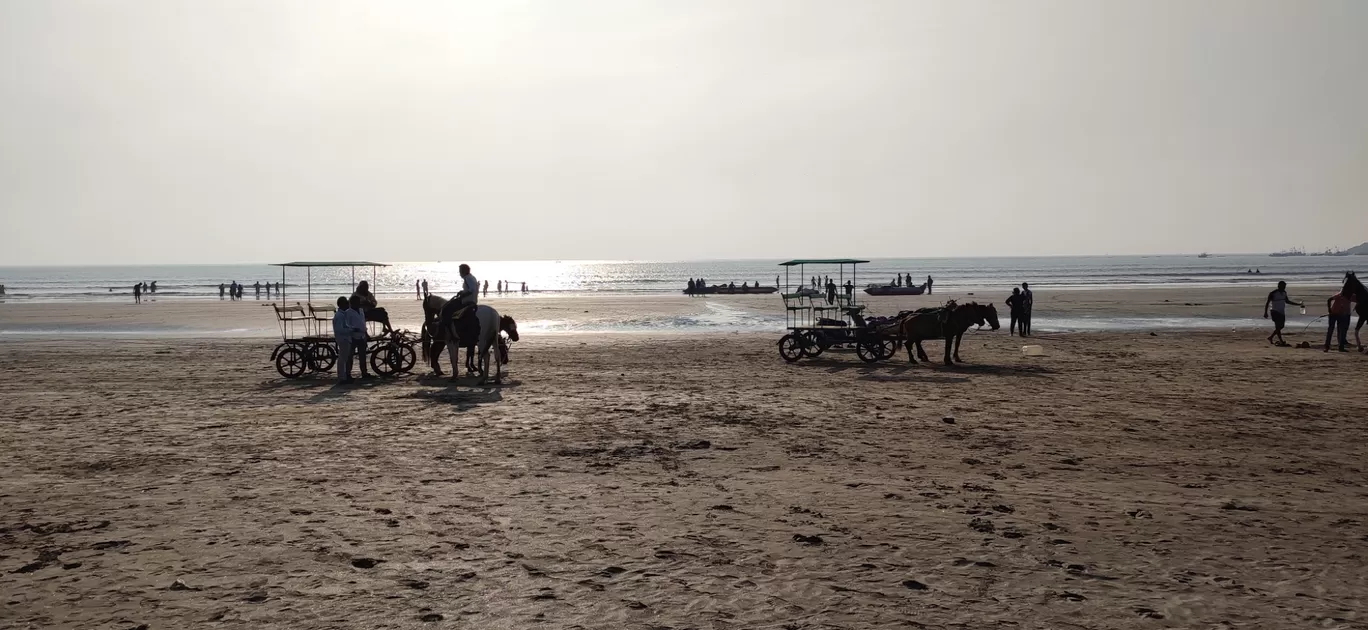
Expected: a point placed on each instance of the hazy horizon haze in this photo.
(216, 132)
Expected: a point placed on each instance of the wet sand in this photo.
(1125, 480)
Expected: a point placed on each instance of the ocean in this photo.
(394, 285)
(568, 278)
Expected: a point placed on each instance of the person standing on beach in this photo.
(342, 334)
(277, 289)
(1277, 305)
(1014, 308)
(137, 293)
(154, 286)
(1339, 309)
(486, 288)
(257, 287)
(356, 322)
(220, 290)
(929, 282)
(1027, 304)
(425, 289)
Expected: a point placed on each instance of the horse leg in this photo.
(921, 352)
(1362, 318)
(949, 345)
(909, 344)
(958, 339)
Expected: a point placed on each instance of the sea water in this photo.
(568, 279)
(201, 282)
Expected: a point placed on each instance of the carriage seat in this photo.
(290, 313)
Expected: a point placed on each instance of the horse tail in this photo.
(426, 338)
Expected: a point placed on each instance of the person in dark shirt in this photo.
(1015, 308)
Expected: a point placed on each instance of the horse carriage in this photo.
(307, 343)
(819, 318)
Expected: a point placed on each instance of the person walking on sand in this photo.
(1339, 308)
(256, 286)
(1276, 304)
(425, 289)
(137, 293)
(417, 290)
(1027, 303)
(1014, 309)
(342, 334)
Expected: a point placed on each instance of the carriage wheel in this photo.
(382, 360)
(812, 344)
(404, 358)
(869, 351)
(291, 362)
(323, 356)
(887, 347)
(790, 347)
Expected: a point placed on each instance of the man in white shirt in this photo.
(1277, 305)
(356, 320)
(342, 334)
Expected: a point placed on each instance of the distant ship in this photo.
(1291, 252)
(1332, 252)
(1204, 255)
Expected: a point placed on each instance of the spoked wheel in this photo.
(323, 357)
(869, 351)
(382, 360)
(812, 344)
(403, 357)
(887, 347)
(791, 347)
(291, 361)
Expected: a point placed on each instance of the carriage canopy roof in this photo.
(823, 261)
(332, 263)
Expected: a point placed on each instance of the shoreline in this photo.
(668, 315)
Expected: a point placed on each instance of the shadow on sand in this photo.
(924, 372)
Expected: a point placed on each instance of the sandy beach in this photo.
(1124, 480)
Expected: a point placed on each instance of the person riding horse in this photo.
(373, 312)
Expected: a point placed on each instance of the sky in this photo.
(224, 131)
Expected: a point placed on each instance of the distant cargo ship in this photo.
(1291, 252)
(1332, 252)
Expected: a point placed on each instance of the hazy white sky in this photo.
(147, 131)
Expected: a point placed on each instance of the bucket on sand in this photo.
(1033, 351)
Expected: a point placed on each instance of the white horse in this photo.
(491, 324)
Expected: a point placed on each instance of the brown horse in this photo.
(1353, 286)
(948, 323)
